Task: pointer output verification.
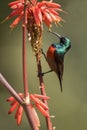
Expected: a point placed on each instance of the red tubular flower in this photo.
(37, 13)
(41, 96)
(19, 109)
(15, 105)
(39, 104)
(44, 11)
(18, 114)
(41, 109)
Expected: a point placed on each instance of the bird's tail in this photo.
(60, 81)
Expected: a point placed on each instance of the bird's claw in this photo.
(40, 74)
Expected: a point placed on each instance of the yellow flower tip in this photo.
(23, 25)
(50, 26)
(57, 24)
(64, 11)
(12, 27)
(4, 20)
(63, 20)
(50, 29)
(54, 127)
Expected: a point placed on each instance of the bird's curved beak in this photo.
(56, 34)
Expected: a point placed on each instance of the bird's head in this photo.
(63, 40)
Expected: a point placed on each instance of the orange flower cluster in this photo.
(15, 105)
(19, 109)
(39, 104)
(44, 11)
(37, 13)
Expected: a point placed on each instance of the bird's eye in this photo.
(63, 40)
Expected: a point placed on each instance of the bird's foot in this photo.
(42, 74)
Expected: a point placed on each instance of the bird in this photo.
(55, 56)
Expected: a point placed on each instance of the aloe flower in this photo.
(16, 106)
(35, 98)
(37, 13)
(44, 11)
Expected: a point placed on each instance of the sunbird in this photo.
(55, 55)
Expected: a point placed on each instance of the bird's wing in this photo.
(59, 59)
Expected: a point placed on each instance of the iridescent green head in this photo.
(63, 40)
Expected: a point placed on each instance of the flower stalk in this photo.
(43, 92)
(10, 89)
(24, 51)
(27, 106)
(30, 116)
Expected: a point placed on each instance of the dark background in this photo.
(69, 107)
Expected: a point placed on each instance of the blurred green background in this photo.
(69, 107)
